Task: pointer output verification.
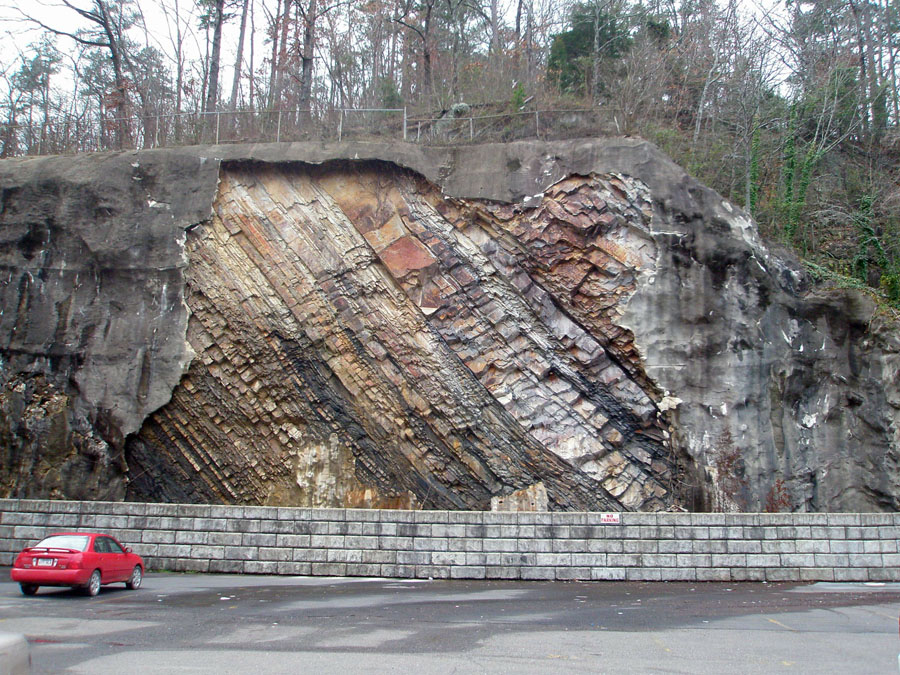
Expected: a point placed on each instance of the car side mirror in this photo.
(127, 549)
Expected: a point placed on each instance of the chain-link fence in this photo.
(267, 126)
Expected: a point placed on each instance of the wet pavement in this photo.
(189, 623)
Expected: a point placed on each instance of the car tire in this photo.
(134, 582)
(29, 589)
(93, 584)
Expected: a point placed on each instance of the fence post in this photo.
(537, 124)
(471, 128)
(218, 117)
(404, 124)
(418, 130)
(340, 125)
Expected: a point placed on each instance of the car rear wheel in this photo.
(136, 577)
(28, 589)
(93, 584)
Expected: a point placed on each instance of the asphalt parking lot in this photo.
(189, 623)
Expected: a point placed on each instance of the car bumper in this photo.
(50, 577)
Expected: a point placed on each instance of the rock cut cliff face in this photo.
(573, 326)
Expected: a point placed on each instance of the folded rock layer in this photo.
(362, 341)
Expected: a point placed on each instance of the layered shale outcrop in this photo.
(573, 326)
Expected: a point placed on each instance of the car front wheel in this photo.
(93, 585)
(28, 589)
(136, 577)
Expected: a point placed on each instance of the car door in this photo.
(103, 560)
(118, 559)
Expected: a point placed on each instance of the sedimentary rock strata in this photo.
(567, 326)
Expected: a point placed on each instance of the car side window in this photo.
(114, 546)
(100, 545)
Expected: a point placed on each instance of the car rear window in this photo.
(73, 541)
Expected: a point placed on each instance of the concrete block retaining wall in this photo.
(477, 545)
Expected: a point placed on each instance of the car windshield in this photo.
(73, 541)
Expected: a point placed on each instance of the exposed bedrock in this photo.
(575, 325)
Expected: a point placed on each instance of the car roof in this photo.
(79, 534)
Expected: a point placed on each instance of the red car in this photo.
(78, 559)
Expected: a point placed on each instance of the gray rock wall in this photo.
(764, 391)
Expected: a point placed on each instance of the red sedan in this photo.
(84, 560)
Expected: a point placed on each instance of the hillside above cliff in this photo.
(572, 326)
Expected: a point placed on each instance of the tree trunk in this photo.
(306, 57)
(212, 91)
(235, 84)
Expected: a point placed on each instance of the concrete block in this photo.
(429, 544)
(640, 545)
(201, 551)
(328, 569)
(535, 518)
(292, 540)
(571, 545)
(241, 553)
(257, 539)
(187, 537)
(310, 555)
(573, 573)
(242, 525)
(506, 545)
(174, 550)
(189, 565)
(676, 546)
(344, 556)
(606, 546)
(851, 574)
(708, 519)
(468, 572)
(534, 545)
(713, 574)
(855, 546)
(710, 546)
(465, 517)
(728, 560)
(444, 558)
(509, 573)
(158, 537)
(363, 570)
(413, 557)
(361, 542)
(643, 574)
(299, 569)
(782, 574)
(224, 538)
(589, 560)
(276, 554)
(433, 572)
(691, 560)
(865, 560)
(816, 574)
(798, 559)
(764, 560)
(748, 574)
(326, 541)
(608, 574)
(736, 546)
(475, 559)
(678, 574)
(660, 559)
(813, 545)
(623, 559)
(261, 567)
(538, 574)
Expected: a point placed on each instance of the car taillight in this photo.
(74, 564)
